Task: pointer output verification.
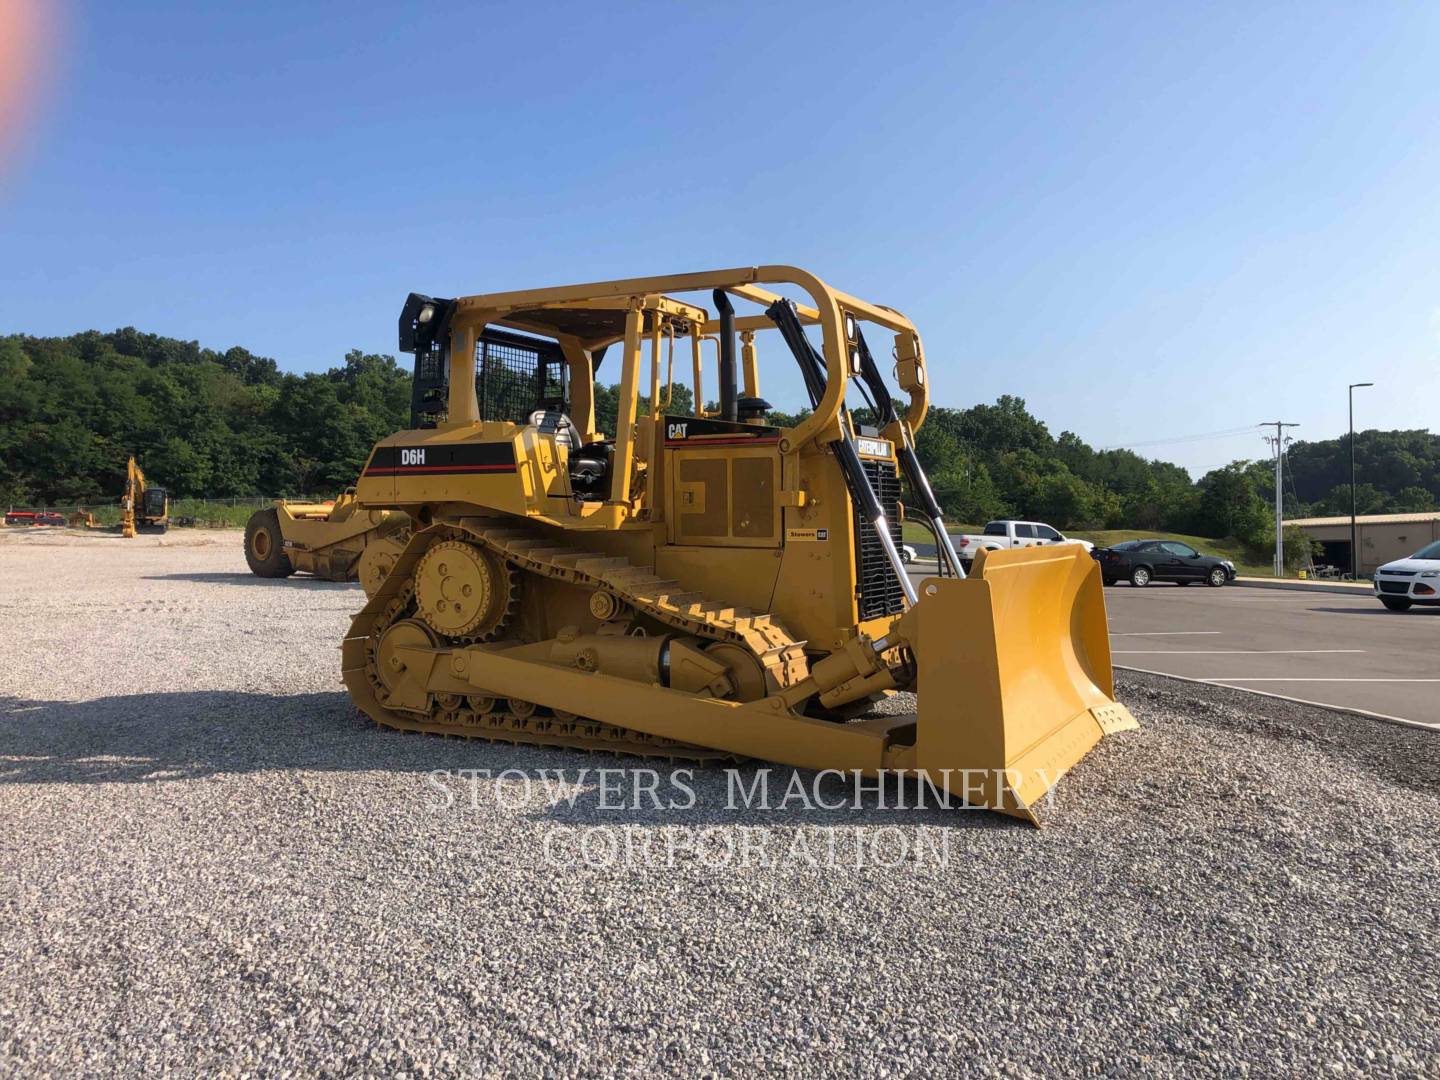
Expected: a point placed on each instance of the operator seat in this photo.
(558, 426)
(587, 464)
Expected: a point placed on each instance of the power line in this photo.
(1229, 433)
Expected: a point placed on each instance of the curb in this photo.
(1344, 710)
(1356, 589)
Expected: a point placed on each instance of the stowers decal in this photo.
(688, 431)
(442, 458)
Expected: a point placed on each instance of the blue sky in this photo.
(1150, 221)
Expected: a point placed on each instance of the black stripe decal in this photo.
(441, 458)
(693, 431)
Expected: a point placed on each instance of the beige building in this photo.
(1383, 537)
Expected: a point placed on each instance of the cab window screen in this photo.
(515, 375)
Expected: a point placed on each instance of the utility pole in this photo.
(1279, 426)
(1354, 538)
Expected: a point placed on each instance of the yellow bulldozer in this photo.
(338, 540)
(707, 586)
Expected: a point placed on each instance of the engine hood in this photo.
(1414, 566)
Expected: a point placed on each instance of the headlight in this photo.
(1428, 573)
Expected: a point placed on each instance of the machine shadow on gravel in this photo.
(146, 738)
(247, 578)
(150, 738)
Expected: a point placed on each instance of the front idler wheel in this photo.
(400, 683)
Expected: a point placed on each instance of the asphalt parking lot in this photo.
(1323, 648)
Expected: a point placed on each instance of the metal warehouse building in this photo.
(1382, 537)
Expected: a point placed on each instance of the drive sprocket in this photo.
(463, 591)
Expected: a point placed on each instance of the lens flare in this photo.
(25, 58)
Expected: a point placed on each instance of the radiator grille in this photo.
(1400, 587)
(878, 589)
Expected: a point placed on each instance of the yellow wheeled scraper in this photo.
(706, 586)
(337, 540)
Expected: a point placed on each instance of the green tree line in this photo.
(1396, 472)
(207, 423)
(200, 422)
(998, 460)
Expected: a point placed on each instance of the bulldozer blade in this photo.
(1014, 677)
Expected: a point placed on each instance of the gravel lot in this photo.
(210, 863)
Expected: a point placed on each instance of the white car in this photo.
(1416, 580)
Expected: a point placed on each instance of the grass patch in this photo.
(196, 513)
(916, 533)
(209, 515)
(1228, 548)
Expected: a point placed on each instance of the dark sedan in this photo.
(1142, 561)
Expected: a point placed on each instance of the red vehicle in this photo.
(34, 517)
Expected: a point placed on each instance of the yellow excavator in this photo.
(336, 540)
(707, 586)
(144, 506)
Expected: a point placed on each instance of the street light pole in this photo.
(1279, 501)
(1354, 532)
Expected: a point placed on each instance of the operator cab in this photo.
(153, 502)
(519, 379)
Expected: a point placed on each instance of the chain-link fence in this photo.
(219, 513)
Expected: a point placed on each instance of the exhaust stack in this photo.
(729, 395)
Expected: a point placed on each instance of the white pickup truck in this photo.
(1010, 534)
